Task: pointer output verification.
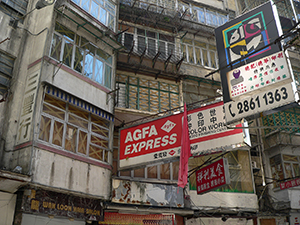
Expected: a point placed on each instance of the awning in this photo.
(78, 102)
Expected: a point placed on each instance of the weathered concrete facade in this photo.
(39, 142)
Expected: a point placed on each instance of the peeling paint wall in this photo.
(218, 221)
(226, 200)
(56, 171)
(131, 192)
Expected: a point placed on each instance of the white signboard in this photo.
(263, 101)
(208, 131)
(269, 71)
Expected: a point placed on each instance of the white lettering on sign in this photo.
(141, 134)
(149, 144)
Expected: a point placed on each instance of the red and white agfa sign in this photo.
(149, 142)
(213, 176)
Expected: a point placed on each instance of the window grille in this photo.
(14, 8)
(147, 95)
(6, 69)
(199, 53)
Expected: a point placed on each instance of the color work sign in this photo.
(208, 131)
(213, 176)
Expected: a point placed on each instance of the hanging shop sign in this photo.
(260, 102)
(160, 139)
(267, 72)
(153, 141)
(58, 204)
(208, 131)
(255, 72)
(290, 183)
(249, 37)
(213, 176)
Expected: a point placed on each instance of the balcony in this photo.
(172, 15)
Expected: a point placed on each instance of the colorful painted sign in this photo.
(152, 141)
(213, 176)
(248, 37)
(269, 71)
(208, 131)
(59, 204)
(290, 183)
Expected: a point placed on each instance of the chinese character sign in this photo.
(269, 71)
(213, 176)
(25, 122)
(290, 183)
(208, 131)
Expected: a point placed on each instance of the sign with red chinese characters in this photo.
(213, 176)
(290, 183)
(208, 131)
(153, 141)
(269, 71)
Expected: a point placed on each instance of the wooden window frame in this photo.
(88, 131)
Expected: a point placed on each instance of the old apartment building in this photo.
(74, 73)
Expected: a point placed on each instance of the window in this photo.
(81, 55)
(103, 10)
(14, 8)
(149, 43)
(163, 172)
(148, 95)
(159, 172)
(69, 128)
(183, 10)
(199, 53)
(6, 69)
(284, 167)
(239, 169)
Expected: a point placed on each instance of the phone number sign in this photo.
(263, 101)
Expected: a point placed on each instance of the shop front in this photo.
(41, 207)
(114, 218)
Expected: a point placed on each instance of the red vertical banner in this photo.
(185, 151)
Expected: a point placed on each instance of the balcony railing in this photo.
(182, 10)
